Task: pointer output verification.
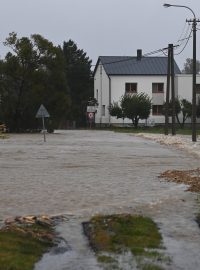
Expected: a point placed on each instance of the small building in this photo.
(115, 76)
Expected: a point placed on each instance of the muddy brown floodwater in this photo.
(81, 173)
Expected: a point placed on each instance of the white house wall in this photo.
(183, 83)
(101, 85)
(115, 85)
(144, 84)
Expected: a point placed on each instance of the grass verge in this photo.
(154, 130)
(22, 246)
(112, 236)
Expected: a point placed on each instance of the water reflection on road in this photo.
(87, 172)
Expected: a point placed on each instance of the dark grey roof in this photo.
(126, 65)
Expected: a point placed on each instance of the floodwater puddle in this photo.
(72, 252)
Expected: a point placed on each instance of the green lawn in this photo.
(116, 234)
(21, 247)
(155, 130)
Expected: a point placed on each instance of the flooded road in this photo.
(81, 173)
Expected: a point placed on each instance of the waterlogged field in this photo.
(134, 238)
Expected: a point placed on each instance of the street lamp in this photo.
(194, 23)
(169, 5)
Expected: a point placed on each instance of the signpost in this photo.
(91, 110)
(90, 116)
(42, 113)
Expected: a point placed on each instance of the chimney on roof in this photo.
(139, 54)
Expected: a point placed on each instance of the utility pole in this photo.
(170, 76)
(172, 90)
(167, 92)
(194, 105)
(194, 22)
(100, 111)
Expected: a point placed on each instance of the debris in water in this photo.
(187, 177)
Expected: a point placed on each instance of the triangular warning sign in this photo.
(42, 112)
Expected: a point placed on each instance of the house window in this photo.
(103, 110)
(197, 88)
(157, 109)
(130, 88)
(157, 87)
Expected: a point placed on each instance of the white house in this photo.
(116, 75)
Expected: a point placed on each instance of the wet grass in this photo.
(21, 247)
(153, 130)
(106, 259)
(118, 234)
(152, 267)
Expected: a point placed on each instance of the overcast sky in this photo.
(102, 27)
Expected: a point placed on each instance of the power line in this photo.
(133, 57)
(185, 36)
(187, 40)
(182, 32)
(182, 39)
(164, 53)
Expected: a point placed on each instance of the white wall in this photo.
(101, 83)
(183, 83)
(144, 84)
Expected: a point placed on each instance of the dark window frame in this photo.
(157, 109)
(157, 87)
(130, 88)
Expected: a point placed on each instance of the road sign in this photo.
(42, 112)
(91, 115)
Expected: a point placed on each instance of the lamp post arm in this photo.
(169, 5)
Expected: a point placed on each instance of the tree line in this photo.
(36, 72)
